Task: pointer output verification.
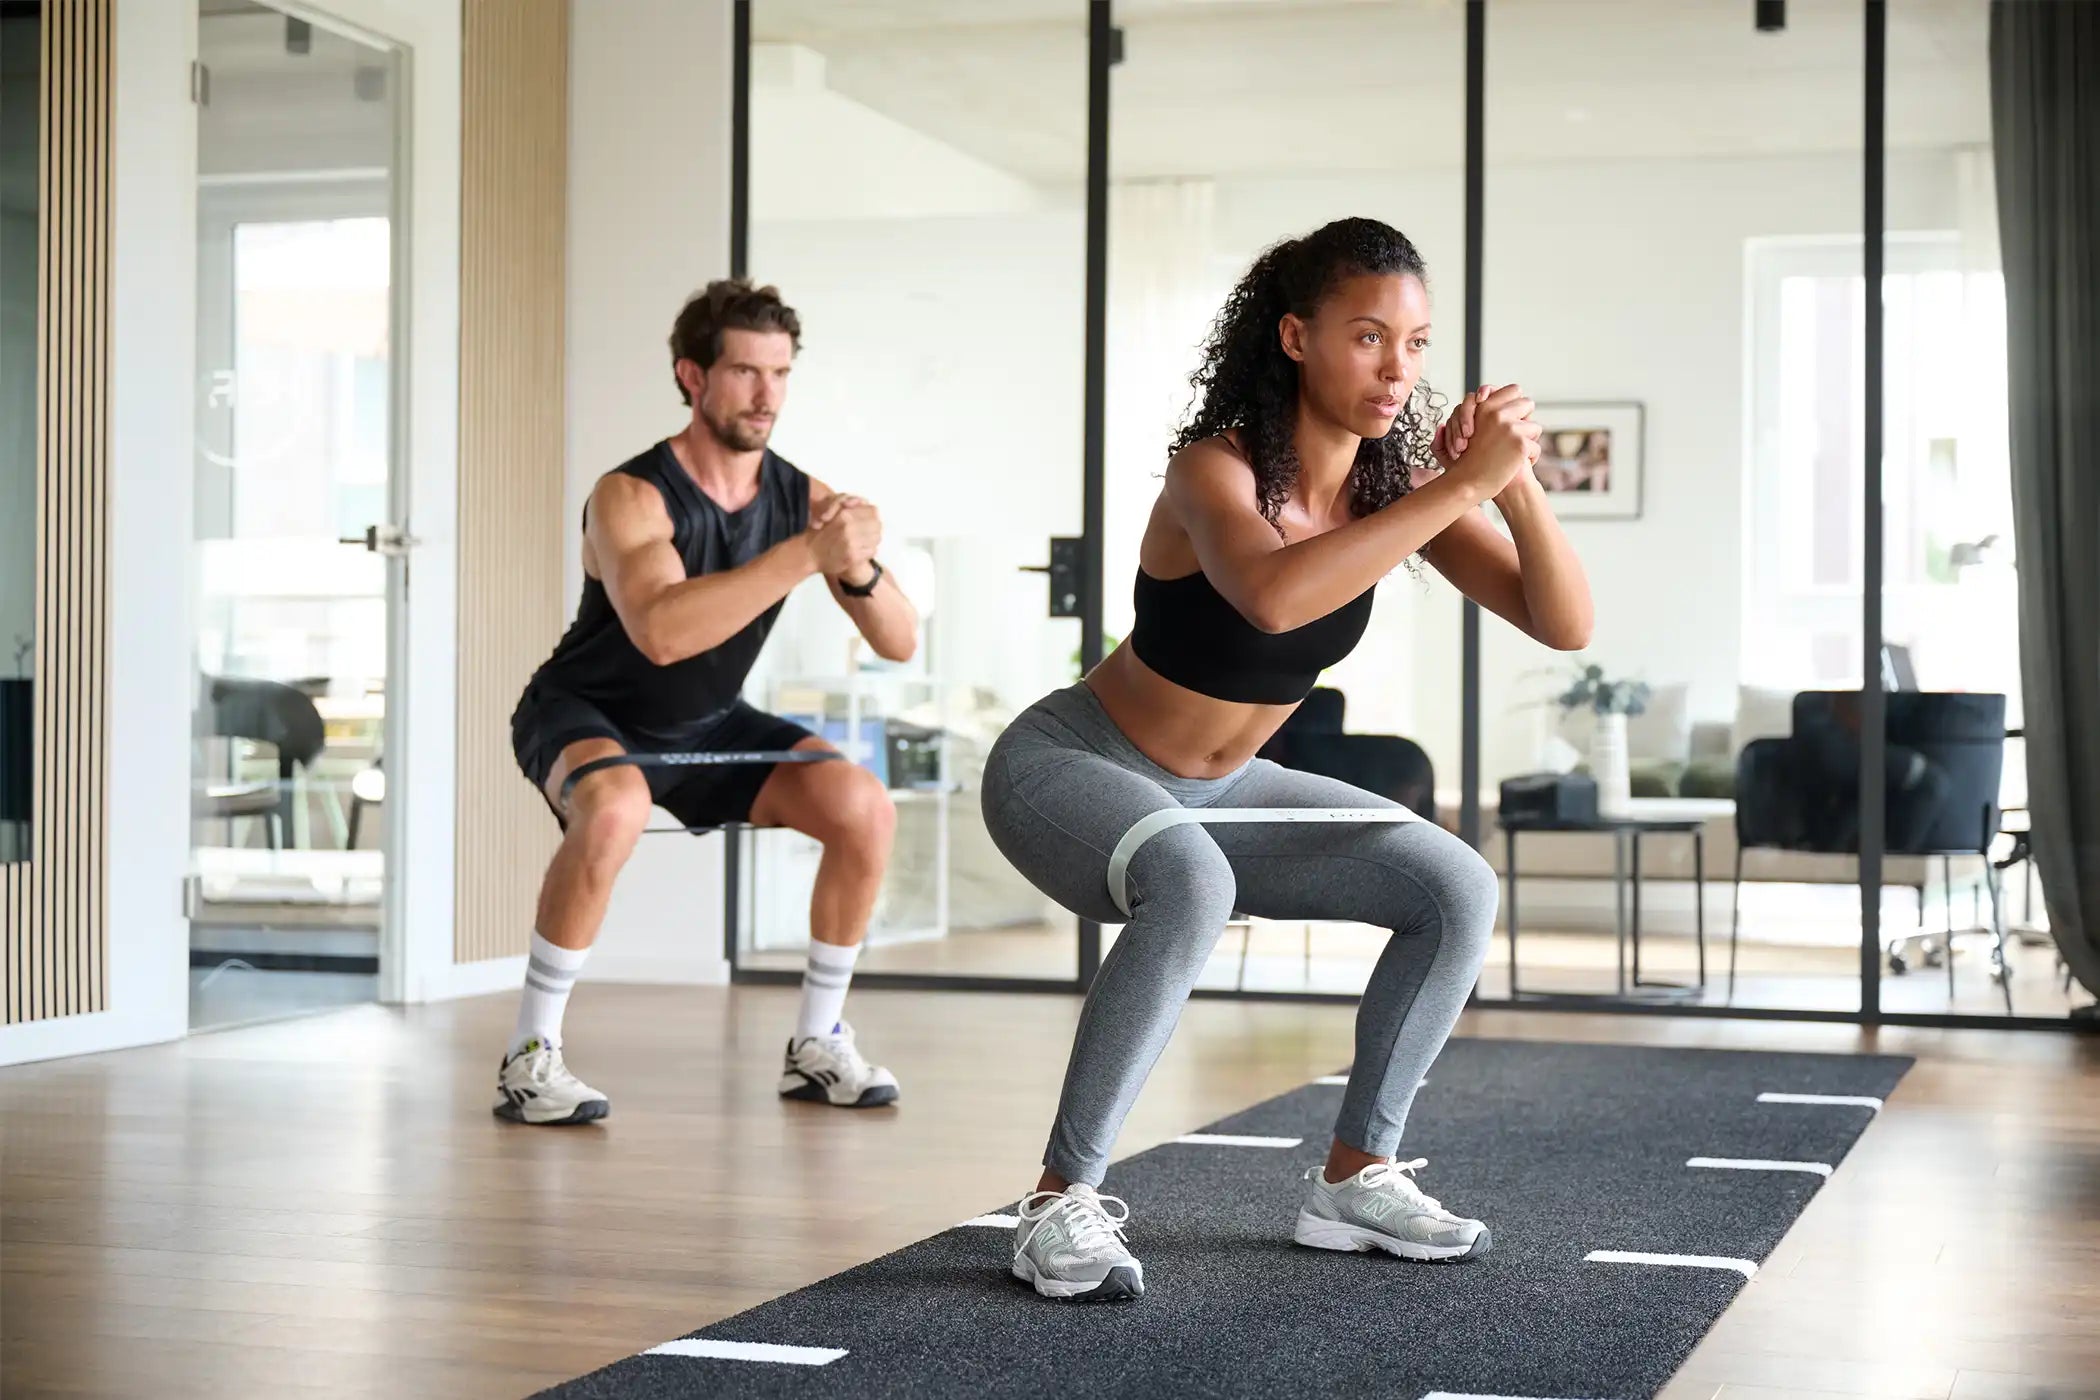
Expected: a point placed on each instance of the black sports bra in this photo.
(1187, 632)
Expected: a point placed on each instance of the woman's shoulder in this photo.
(1212, 463)
(1221, 451)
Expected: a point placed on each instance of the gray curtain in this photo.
(2045, 119)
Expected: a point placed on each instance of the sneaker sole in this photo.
(874, 1096)
(1123, 1284)
(589, 1111)
(1315, 1233)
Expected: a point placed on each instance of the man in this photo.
(688, 552)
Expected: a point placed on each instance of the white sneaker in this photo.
(830, 1069)
(1382, 1208)
(1069, 1246)
(534, 1086)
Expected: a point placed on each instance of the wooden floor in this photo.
(326, 1207)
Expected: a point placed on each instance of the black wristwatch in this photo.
(863, 590)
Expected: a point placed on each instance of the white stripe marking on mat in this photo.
(993, 1222)
(1687, 1261)
(1751, 1164)
(1344, 1079)
(1853, 1100)
(1463, 1395)
(709, 1349)
(1235, 1140)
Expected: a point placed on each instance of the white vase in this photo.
(1608, 764)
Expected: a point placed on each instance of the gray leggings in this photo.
(1061, 787)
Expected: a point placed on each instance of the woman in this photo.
(1311, 468)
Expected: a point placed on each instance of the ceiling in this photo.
(1248, 87)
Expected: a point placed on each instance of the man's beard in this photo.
(738, 434)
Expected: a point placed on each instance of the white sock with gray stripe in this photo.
(550, 974)
(824, 983)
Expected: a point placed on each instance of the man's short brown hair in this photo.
(730, 304)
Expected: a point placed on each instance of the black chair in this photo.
(1313, 740)
(1946, 757)
(17, 751)
(263, 712)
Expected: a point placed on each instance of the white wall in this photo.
(648, 225)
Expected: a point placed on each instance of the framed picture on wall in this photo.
(1590, 459)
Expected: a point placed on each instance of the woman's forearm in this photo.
(1556, 590)
(1303, 582)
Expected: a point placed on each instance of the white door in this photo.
(300, 515)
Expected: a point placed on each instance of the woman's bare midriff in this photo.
(1184, 732)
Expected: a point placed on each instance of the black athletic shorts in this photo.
(548, 721)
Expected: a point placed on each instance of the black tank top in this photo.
(598, 661)
(1187, 632)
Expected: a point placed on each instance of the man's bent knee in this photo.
(859, 816)
(607, 813)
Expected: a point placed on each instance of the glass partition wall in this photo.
(1661, 220)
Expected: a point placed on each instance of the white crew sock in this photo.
(550, 974)
(824, 983)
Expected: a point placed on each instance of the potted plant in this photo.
(1610, 701)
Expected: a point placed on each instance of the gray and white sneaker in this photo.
(534, 1086)
(1069, 1245)
(1382, 1208)
(830, 1069)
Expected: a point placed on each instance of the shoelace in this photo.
(843, 1053)
(1398, 1178)
(1091, 1226)
(544, 1065)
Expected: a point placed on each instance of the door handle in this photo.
(1064, 571)
(390, 540)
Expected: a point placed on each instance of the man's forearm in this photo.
(701, 613)
(885, 618)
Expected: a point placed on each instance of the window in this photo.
(1946, 490)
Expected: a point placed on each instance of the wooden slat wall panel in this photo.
(513, 229)
(56, 949)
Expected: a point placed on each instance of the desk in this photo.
(1626, 832)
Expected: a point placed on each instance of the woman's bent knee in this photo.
(1473, 892)
(1184, 865)
(1459, 885)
